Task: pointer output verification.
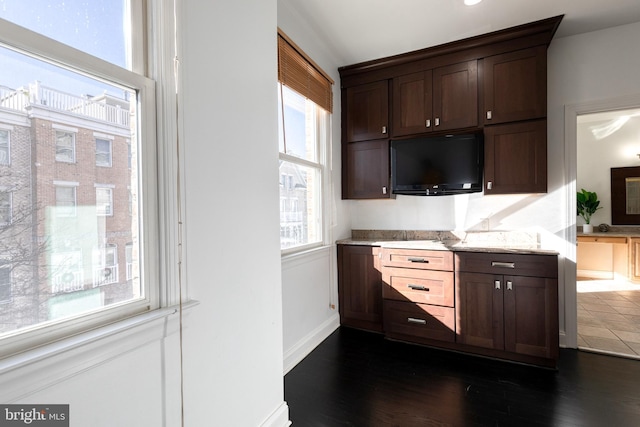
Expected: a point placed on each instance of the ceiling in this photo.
(362, 30)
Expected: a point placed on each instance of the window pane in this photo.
(65, 147)
(103, 152)
(5, 284)
(299, 205)
(98, 27)
(299, 137)
(59, 215)
(5, 207)
(4, 147)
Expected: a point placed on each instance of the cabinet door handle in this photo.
(489, 114)
(416, 321)
(384, 190)
(437, 121)
(503, 264)
(509, 285)
(497, 282)
(384, 129)
(489, 185)
(417, 287)
(418, 260)
(427, 123)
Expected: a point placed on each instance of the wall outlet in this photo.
(484, 224)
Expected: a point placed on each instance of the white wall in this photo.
(309, 281)
(233, 342)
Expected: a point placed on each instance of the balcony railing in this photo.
(67, 282)
(37, 94)
(105, 276)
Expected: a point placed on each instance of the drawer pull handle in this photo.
(416, 321)
(503, 264)
(417, 260)
(417, 287)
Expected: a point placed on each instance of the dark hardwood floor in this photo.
(357, 378)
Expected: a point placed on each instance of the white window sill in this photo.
(25, 373)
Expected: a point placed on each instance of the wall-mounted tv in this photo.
(437, 166)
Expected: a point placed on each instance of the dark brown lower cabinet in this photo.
(509, 315)
(360, 287)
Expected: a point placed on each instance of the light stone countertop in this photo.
(488, 242)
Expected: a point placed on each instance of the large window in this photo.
(74, 95)
(304, 122)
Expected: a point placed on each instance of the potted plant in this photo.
(588, 204)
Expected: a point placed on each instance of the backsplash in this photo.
(489, 238)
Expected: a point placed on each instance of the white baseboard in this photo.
(278, 418)
(302, 348)
(595, 274)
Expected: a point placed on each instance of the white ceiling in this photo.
(362, 30)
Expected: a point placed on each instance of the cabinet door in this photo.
(515, 86)
(455, 96)
(360, 287)
(634, 260)
(365, 172)
(479, 310)
(412, 104)
(531, 316)
(368, 111)
(516, 158)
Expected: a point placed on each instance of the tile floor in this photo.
(609, 316)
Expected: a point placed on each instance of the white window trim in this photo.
(157, 292)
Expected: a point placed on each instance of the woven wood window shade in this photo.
(297, 71)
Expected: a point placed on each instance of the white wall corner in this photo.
(302, 348)
(278, 418)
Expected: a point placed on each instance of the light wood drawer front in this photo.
(537, 265)
(419, 320)
(417, 258)
(421, 286)
(601, 239)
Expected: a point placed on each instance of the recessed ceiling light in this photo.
(471, 2)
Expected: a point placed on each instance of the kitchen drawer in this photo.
(419, 320)
(421, 286)
(418, 258)
(536, 265)
(603, 239)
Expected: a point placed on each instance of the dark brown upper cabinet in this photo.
(367, 111)
(515, 158)
(365, 173)
(515, 86)
(441, 99)
(496, 82)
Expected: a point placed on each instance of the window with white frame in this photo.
(66, 200)
(5, 207)
(5, 154)
(104, 201)
(103, 152)
(65, 146)
(5, 283)
(103, 90)
(304, 122)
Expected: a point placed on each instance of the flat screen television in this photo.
(437, 166)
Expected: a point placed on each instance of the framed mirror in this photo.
(625, 196)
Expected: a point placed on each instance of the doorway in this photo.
(607, 286)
